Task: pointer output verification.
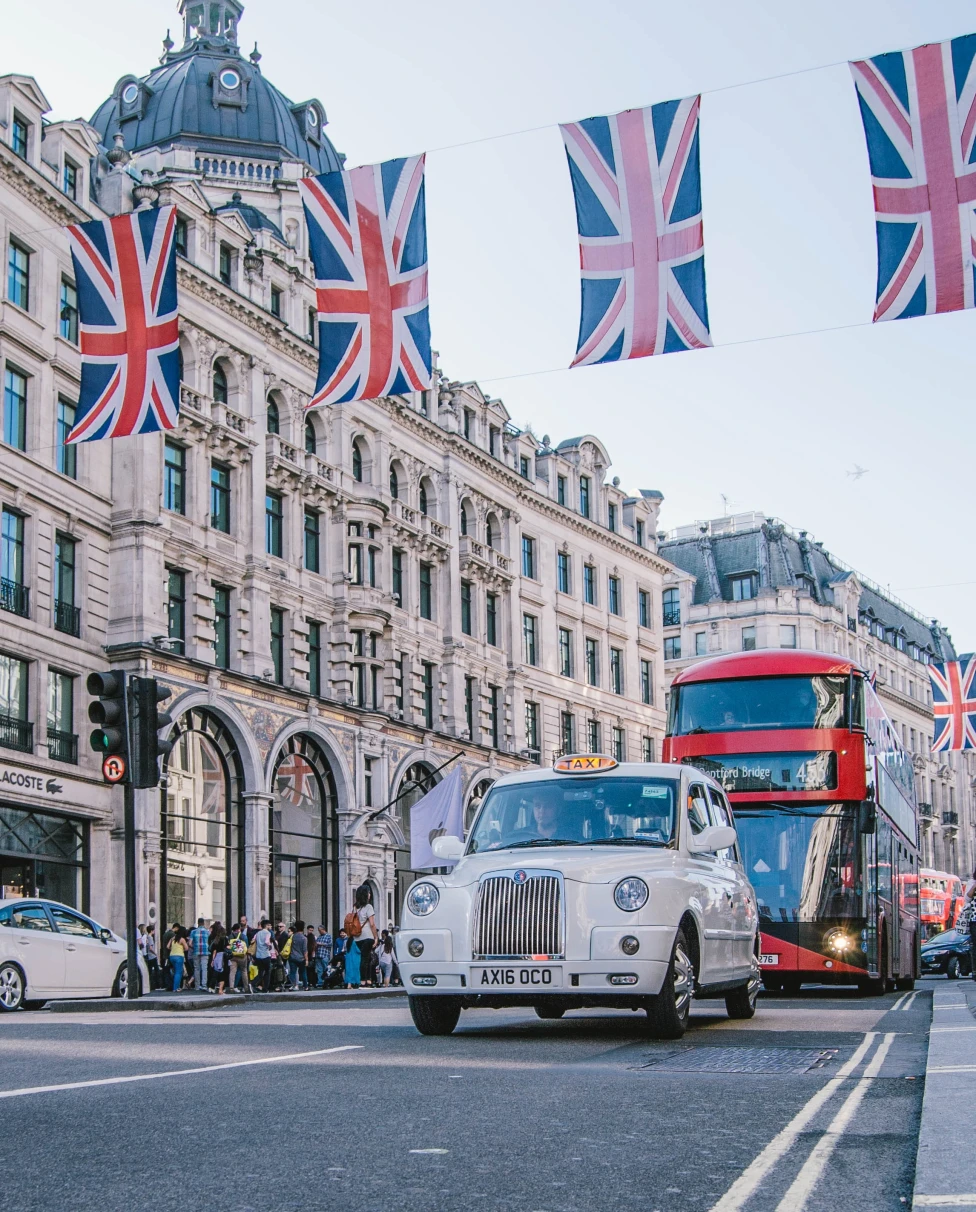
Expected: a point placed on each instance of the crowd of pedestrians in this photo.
(264, 959)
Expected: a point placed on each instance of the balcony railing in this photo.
(950, 818)
(672, 616)
(67, 618)
(925, 812)
(62, 746)
(15, 598)
(16, 734)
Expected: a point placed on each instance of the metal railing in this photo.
(950, 818)
(15, 598)
(16, 734)
(672, 616)
(62, 746)
(67, 618)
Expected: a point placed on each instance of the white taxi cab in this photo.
(593, 883)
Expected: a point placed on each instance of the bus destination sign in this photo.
(770, 771)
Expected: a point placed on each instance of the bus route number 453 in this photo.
(502, 977)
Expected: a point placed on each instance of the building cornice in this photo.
(43, 194)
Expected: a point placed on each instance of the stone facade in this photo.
(371, 589)
(748, 581)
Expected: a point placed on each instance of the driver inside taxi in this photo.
(544, 815)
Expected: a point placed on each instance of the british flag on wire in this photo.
(637, 185)
(954, 703)
(919, 113)
(125, 269)
(367, 233)
(296, 779)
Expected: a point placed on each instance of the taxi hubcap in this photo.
(684, 980)
(11, 987)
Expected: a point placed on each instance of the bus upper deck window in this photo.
(857, 703)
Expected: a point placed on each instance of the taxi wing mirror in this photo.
(448, 848)
(715, 837)
(105, 934)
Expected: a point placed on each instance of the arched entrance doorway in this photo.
(478, 793)
(304, 837)
(202, 810)
(417, 780)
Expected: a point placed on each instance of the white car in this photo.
(590, 884)
(48, 950)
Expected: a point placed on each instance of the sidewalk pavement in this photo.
(945, 1170)
(160, 999)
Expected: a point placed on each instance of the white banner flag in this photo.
(439, 814)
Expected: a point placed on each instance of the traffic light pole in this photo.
(132, 962)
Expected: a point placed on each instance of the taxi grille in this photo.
(519, 921)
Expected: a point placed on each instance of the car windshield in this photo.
(751, 704)
(944, 939)
(584, 811)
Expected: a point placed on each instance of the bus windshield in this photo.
(754, 704)
(802, 861)
(583, 811)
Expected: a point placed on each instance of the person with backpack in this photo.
(238, 960)
(352, 928)
(366, 916)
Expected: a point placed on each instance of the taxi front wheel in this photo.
(669, 1012)
(435, 1015)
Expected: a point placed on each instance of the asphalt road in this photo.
(510, 1112)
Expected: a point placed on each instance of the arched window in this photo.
(201, 872)
(357, 462)
(492, 531)
(311, 443)
(394, 483)
(468, 521)
(219, 384)
(304, 837)
(423, 498)
(478, 793)
(274, 417)
(417, 780)
(464, 520)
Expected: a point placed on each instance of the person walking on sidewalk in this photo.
(177, 956)
(218, 956)
(297, 957)
(386, 958)
(152, 958)
(368, 932)
(200, 954)
(323, 957)
(238, 960)
(264, 952)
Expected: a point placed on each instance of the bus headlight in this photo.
(630, 894)
(422, 899)
(839, 941)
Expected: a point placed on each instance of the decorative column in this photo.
(257, 855)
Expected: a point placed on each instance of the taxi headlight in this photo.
(422, 899)
(416, 947)
(629, 945)
(630, 894)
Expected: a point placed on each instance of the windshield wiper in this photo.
(624, 841)
(541, 841)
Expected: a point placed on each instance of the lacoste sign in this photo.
(26, 780)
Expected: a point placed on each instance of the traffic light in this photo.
(111, 737)
(146, 745)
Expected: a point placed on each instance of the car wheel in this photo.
(952, 968)
(435, 1015)
(741, 1002)
(121, 986)
(668, 1013)
(771, 985)
(549, 1011)
(11, 987)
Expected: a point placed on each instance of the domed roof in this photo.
(208, 96)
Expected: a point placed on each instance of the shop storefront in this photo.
(43, 854)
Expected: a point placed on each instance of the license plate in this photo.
(769, 960)
(516, 978)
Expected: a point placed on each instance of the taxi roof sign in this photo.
(583, 763)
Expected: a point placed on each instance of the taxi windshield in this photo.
(585, 811)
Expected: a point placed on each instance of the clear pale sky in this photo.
(789, 240)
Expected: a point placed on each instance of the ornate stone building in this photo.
(341, 601)
(748, 581)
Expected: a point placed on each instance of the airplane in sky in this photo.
(858, 471)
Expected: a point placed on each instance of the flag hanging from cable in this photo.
(918, 108)
(367, 232)
(637, 185)
(954, 703)
(439, 814)
(125, 270)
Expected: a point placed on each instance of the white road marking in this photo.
(952, 1069)
(898, 1004)
(911, 997)
(150, 1077)
(944, 1201)
(941, 1030)
(438, 1151)
(802, 1187)
(749, 1180)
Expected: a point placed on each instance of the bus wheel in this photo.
(668, 1013)
(435, 1015)
(772, 986)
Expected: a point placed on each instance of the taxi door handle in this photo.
(71, 947)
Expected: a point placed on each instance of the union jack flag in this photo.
(125, 269)
(637, 185)
(367, 232)
(919, 113)
(296, 779)
(954, 703)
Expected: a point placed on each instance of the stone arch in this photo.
(362, 459)
(277, 412)
(224, 385)
(493, 531)
(240, 730)
(313, 434)
(398, 479)
(188, 359)
(427, 501)
(478, 787)
(341, 770)
(467, 517)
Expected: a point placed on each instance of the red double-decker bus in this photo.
(824, 801)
